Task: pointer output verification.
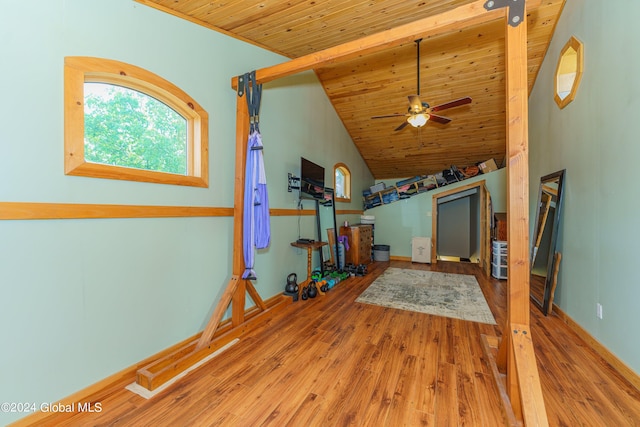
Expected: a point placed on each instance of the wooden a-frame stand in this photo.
(513, 361)
(216, 334)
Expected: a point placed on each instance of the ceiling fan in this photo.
(419, 113)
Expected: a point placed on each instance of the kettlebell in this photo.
(305, 295)
(312, 290)
(292, 285)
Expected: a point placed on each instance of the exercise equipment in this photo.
(292, 284)
(361, 270)
(312, 291)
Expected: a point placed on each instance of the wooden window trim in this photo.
(80, 69)
(577, 46)
(347, 182)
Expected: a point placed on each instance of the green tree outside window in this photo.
(124, 127)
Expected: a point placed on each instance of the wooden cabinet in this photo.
(360, 239)
(500, 226)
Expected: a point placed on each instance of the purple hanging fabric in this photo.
(345, 241)
(256, 225)
(262, 227)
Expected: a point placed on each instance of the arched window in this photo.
(123, 122)
(342, 182)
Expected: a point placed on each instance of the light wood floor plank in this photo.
(447, 396)
(332, 361)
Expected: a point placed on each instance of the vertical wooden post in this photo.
(517, 173)
(242, 136)
(517, 199)
(235, 292)
(517, 211)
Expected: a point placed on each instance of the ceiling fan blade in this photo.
(415, 105)
(451, 104)
(439, 119)
(402, 125)
(387, 116)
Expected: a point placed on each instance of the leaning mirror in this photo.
(327, 224)
(545, 259)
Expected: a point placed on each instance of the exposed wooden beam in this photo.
(516, 355)
(255, 296)
(455, 19)
(517, 173)
(218, 312)
(156, 373)
(532, 401)
(242, 137)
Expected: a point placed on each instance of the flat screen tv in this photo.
(311, 180)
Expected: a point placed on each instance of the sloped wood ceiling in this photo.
(462, 63)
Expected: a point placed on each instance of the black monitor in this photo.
(311, 180)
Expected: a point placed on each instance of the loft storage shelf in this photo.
(381, 197)
(420, 186)
(380, 194)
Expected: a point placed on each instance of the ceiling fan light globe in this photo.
(418, 120)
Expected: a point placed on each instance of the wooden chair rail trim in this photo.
(41, 211)
(309, 212)
(292, 212)
(349, 212)
(102, 389)
(22, 211)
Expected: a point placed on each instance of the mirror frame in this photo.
(330, 202)
(551, 259)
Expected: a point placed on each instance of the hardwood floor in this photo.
(333, 362)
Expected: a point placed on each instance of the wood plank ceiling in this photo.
(467, 62)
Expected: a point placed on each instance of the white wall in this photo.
(83, 299)
(595, 138)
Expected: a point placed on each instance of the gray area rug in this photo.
(443, 294)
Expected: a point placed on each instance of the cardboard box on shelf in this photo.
(488, 166)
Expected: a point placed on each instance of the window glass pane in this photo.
(340, 184)
(124, 127)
